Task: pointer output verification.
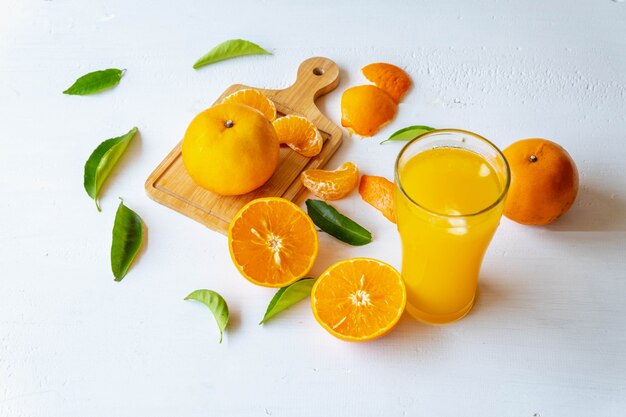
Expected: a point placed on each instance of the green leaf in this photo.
(327, 218)
(215, 303)
(408, 133)
(230, 49)
(102, 161)
(96, 81)
(288, 296)
(127, 240)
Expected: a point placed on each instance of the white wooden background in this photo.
(547, 336)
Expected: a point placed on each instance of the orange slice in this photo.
(365, 109)
(272, 242)
(299, 134)
(331, 185)
(358, 299)
(378, 192)
(255, 99)
(393, 80)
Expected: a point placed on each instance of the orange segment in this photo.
(366, 108)
(331, 185)
(272, 242)
(393, 80)
(255, 99)
(378, 192)
(358, 299)
(299, 134)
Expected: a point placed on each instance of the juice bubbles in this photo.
(450, 189)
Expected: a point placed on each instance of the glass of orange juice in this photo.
(450, 191)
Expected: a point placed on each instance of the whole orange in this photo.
(230, 149)
(544, 181)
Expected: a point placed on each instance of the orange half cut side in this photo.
(358, 299)
(379, 193)
(272, 242)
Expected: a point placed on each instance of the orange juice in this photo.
(449, 201)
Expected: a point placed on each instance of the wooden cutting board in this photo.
(171, 186)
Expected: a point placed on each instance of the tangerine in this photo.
(544, 181)
(230, 149)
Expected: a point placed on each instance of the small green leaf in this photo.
(96, 81)
(127, 240)
(327, 218)
(408, 133)
(215, 303)
(230, 49)
(102, 161)
(288, 296)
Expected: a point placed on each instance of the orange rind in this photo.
(391, 79)
(365, 109)
(379, 193)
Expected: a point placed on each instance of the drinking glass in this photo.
(442, 249)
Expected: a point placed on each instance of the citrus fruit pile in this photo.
(233, 148)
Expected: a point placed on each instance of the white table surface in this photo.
(547, 336)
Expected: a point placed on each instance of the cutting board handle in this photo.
(316, 77)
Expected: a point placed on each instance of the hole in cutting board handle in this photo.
(318, 71)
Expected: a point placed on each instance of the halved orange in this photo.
(365, 109)
(378, 192)
(255, 99)
(393, 80)
(331, 185)
(272, 242)
(299, 134)
(358, 299)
